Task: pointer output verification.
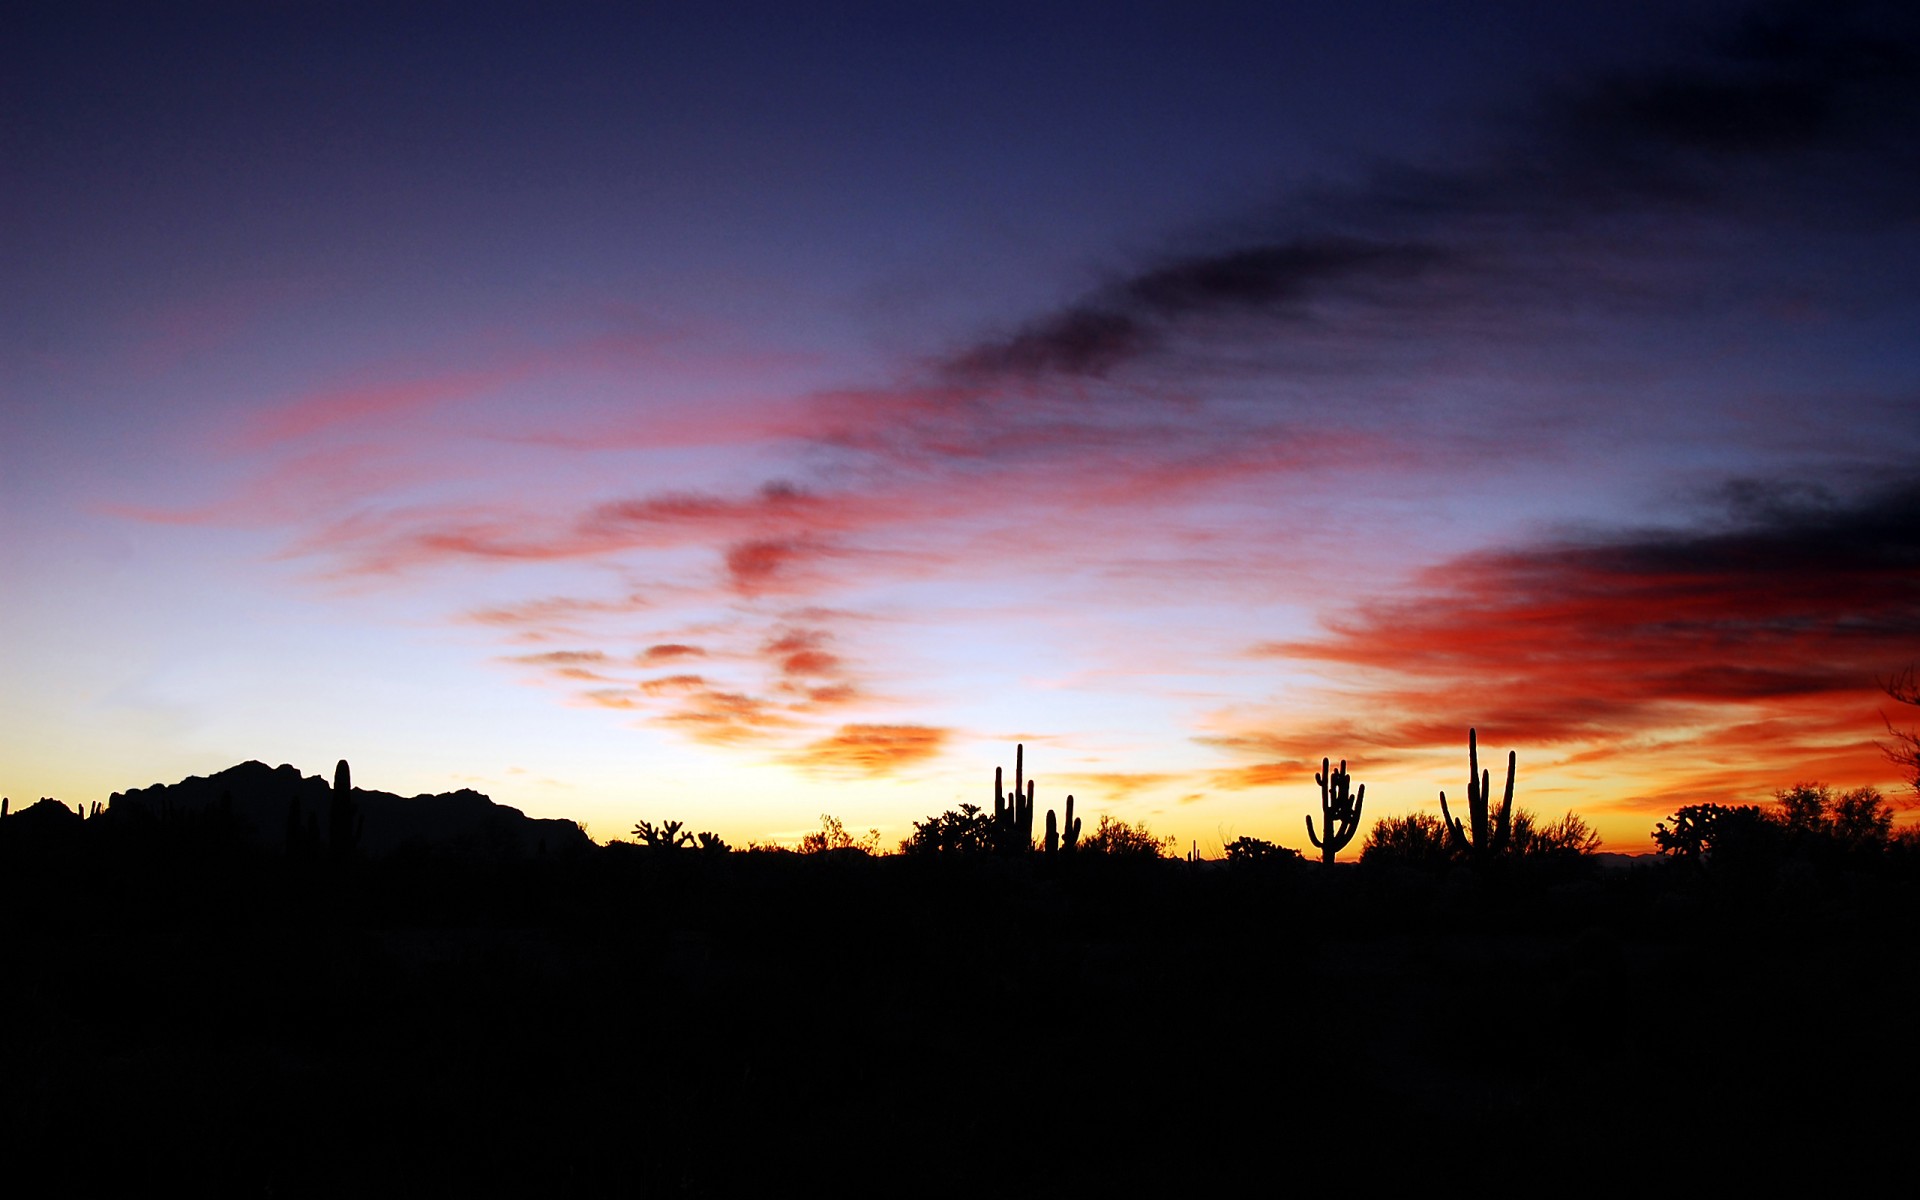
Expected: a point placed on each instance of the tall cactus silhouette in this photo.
(344, 819)
(1339, 809)
(1490, 831)
(1056, 842)
(1013, 815)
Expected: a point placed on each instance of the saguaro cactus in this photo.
(1013, 815)
(1057, 843)
(344, 819)
(1490, 831)
(1339, 809)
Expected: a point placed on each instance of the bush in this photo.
(1249, 851)
(1415, 840)
(834, 836)
(1117, 839)
(1569, 837)
(965, 831)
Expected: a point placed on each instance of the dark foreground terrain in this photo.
(631, 1021)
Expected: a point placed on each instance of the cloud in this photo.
(355, 406)
(556, 615)
(871, 750)
(566, 658)
(669, 652)
(725, 718)
(1131, 317)
(672, 684)
(1801, 114)
(798, 652)
(1764, 630)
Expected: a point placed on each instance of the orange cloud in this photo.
(871, 750)
(668, 651)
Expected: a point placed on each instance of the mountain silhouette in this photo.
(280, 807)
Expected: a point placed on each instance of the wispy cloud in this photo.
(870, 750)
(1338, 397)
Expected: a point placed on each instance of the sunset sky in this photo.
(735, 413)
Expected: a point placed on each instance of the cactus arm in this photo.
(1310, 834)
(1503, 827)
(1491, 829)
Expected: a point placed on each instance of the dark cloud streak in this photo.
(1801, 113)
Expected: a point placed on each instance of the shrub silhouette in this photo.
(1253, 851)
(1568, 838)
(832, 835)
(966, 830)
(1415, 840)
(1117, 839)
(1339, 809)
(1702, 833)
(1809, 822)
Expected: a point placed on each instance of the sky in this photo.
(737, 413)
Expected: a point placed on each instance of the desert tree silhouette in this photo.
(1904, 749)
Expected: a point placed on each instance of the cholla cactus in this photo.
(666, 836)
(1339, 809)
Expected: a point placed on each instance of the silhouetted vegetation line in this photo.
(178, 974)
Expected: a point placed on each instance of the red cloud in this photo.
(1762, 642)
